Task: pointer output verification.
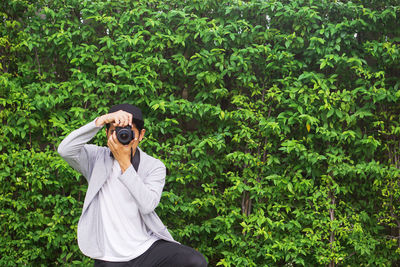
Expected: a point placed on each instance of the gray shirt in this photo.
(95, 163)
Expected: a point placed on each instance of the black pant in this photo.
(162, 253)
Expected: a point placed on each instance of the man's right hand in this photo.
(120, 118)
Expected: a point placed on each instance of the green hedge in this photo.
(277, 120)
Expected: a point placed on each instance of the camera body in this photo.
(125, 134)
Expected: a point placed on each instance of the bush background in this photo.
(277, 120)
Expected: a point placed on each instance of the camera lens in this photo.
(124, 135)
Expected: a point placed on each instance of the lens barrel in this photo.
(124, 134)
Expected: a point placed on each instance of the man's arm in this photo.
(147, 191)
(74, 149)
(120, 117)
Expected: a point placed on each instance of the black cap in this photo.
(135, 111)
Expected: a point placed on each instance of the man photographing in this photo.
(118, 225)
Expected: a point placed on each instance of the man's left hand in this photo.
(122, 153)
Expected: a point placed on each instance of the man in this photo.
(118, 225)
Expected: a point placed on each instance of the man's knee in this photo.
(196, 260)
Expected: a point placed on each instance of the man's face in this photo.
(113, 126)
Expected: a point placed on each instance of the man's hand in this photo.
(121, 118)
(122, 153)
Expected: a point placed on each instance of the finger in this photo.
(110, 146)
(117, 117)
(130, 119)
(132, 142)
(115, 140)
(123, 120)
(110, 143)
(118, 121)
(111, 139)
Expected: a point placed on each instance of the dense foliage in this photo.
(278, 122)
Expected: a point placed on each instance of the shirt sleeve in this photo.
(75, 150)
(146, 190)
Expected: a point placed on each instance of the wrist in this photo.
(102, 120)
(124, 166)
(99, 121)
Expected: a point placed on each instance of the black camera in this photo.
(124, 134)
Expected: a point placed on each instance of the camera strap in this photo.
(135, 160)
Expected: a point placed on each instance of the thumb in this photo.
(133, 141)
